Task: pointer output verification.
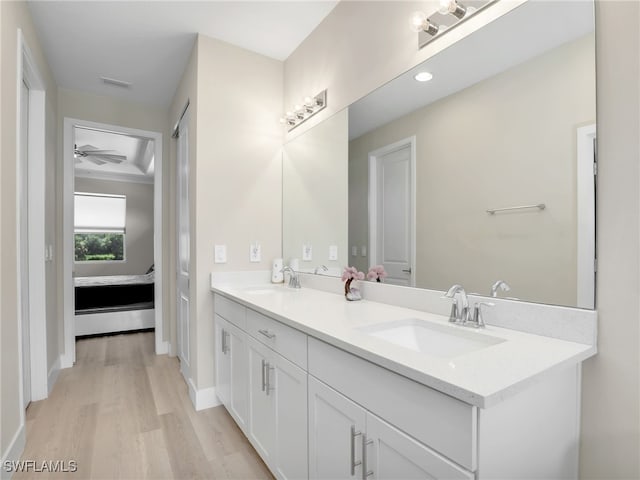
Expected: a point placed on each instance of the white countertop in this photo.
(482, 377)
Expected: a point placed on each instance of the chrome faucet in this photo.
(460, 306)
(320, 267)
(294, 280)
(502, 285)
(476, 320)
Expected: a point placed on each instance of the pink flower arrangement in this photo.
(376, 273)
(349, 275)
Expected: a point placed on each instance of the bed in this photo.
(114, 303)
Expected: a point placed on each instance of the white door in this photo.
(24, 250)
(392, 234)
(391, 454)
(182, 211)
(262, 419)
(289, 388)
(336, 425)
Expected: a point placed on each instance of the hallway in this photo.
(123, 412)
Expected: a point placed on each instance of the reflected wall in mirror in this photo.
(315, 197)
(508, 120)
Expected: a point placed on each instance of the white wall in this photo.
(355, 36)
(461, 170)
(314, 194)
(139, 228)
(235, 169)
(14, 15)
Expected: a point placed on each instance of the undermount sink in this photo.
(430, 338)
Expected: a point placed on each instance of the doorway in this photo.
(392, 233)
(96, 164)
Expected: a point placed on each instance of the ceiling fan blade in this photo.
(110, 158)
(95, 160)
(88, 148)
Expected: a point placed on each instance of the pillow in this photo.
(151, 268)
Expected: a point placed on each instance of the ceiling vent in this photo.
(115, 82)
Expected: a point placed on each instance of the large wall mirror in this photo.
(483, 173)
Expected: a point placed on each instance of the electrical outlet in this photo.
(307, 252)
(333, 252)
(363, 251)
(354, 251)
(220, 254)
(255, 252)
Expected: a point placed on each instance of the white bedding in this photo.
(114, 280)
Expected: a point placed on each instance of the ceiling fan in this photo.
(97, 156)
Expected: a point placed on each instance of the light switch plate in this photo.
(307, 252)
(363, 251)
(354, 251)
(220, 254)
(333, 252)
(255, 252)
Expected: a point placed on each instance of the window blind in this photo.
(100, 213)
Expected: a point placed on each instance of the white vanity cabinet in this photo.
(278, 411)
(345, 439)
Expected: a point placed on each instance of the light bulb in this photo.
(423, 76)
(309, 102)
(283, 120)
(417, 21)
(452, 7)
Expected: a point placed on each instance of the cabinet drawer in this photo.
(444, 423)
(231, 311)
(287, 341)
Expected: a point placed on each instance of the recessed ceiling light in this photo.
(115, 82)
(423, 76)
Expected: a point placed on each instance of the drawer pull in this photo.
(267, 333)
(264, 376)
(365, 471)
(354, 464)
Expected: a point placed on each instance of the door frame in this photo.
(35, 252)
(161, 346)
(586, 228)
(373, 200)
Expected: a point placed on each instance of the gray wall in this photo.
(139, 228)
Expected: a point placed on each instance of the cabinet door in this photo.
(262, 418)
(236, 344)
(287, 384)
(336, 425)
(390, 454)
(223, 363)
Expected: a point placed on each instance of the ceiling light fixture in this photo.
(302, 113)
(449, 14)
(423, 76)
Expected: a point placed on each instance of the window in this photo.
(100, 221)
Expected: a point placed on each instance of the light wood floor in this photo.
(123, 412)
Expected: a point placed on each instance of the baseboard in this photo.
(66, 361)
(162, 348)
(53, 374)
(13, 453)
(203, 398)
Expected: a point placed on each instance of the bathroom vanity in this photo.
(325, 388)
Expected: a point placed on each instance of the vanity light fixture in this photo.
(449, 14)
(304, 112)
(423, 76)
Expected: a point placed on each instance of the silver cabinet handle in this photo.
(407, 271)
(222, 341)
(267, 333)
(365, 471)
(264, 376)
(354, 464)
(268, 370)
(227, 344)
